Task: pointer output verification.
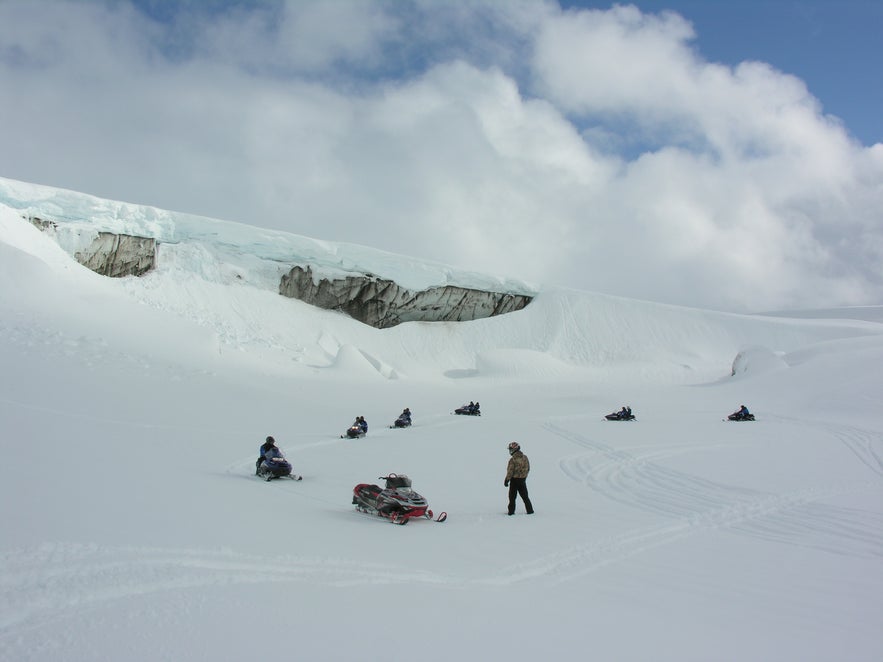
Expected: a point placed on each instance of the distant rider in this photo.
(270, 443)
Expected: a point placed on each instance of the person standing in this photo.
(516, 478)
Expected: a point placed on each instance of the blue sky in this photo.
(726, 155)
(835, 46)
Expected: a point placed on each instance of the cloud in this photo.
(305, 38)
(592, 149)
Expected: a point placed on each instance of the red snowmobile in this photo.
(397, 502)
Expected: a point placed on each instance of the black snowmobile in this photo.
(397, 502)
(401, 422)
(739, 416)
(468, 410)
(621, 415)
(354, 431)
(358, 429)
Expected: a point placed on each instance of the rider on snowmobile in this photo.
(266, 446)
(404, 418)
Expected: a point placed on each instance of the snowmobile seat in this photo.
(397, 481)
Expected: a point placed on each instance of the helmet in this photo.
(513, 446)
(270, 440)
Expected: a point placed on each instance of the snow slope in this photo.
(134, 529)
(228, 252)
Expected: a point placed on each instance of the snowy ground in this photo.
(133, 528)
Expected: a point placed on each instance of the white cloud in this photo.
(298, 37)
(595, 149)
(613, 61)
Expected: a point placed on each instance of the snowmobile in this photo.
(401, 422)
(354, 431)
(276, 467)
(467, 410)
(397, 502)
(739, 416)
(620, 416)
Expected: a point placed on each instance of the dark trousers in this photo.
(519, 486)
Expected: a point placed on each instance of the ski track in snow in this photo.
(866, 446)
(42, 584)
(694, 504)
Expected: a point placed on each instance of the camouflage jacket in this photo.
(519, 466)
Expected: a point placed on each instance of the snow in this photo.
(252, 254)
(134, 529)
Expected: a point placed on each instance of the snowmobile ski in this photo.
(400, 518)
(291, 476)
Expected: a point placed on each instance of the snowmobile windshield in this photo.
(398, 482)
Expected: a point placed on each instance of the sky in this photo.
(138, 531)
(831, 45)
(720, 155)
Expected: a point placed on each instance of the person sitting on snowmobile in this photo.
(362, 423)
(270, 443)
(468, 410)
(404, 419)
(625, 412)
(742, 414)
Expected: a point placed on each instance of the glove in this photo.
(506, 483)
